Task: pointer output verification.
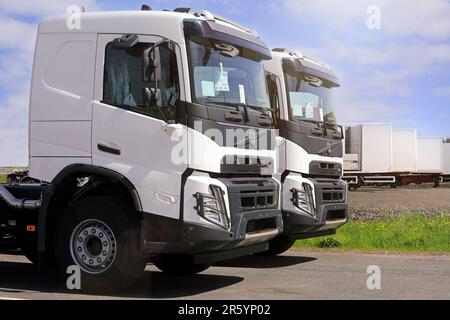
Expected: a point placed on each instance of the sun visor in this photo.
(213, 30)
(303, 66)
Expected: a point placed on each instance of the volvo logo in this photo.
(328, 148)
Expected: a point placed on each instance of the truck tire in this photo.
(277, 246)
(100, 235)
(178, 264)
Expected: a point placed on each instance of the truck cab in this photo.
(314, 197)
(153, 137)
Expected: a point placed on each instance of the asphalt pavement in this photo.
(294, 275)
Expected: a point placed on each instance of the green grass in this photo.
(414, 233)
(2, 179)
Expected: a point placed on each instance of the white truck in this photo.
(378, 155)
(128, 114)
(314, 197)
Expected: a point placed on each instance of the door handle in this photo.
(108, 149)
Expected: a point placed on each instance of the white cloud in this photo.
(399, 18)
(382, 70)
(428, 19)
(15, 69)
(17, 39)
(376, 67)
(17, 34)
(14, 125)
(42, 8)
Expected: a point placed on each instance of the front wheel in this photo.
(178, 264)
(278, 246)
(100, 235)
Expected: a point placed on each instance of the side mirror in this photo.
(151, 64)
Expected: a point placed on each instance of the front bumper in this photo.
(330, 212)
(255, 219)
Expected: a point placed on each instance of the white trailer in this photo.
(446, 162)
(368, 154)
(404, 150)
(378, 155)
(430, 154)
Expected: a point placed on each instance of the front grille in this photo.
(332, 195)
(329, 190)
(246, 194)
(251, 200)
(325, 168)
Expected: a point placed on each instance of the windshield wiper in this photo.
(243, 105)
(316, 121)
(220, 103)
(236, 104)
(307, 120)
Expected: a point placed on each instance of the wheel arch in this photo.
(57, 196)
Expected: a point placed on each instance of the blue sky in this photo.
(399, 73)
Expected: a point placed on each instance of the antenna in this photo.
(145, 7)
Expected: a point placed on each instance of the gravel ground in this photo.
(375, 203)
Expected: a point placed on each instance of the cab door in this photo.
(130, 135)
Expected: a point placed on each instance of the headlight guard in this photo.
(303, 199)
(212, 207)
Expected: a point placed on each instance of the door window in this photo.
(124, 85)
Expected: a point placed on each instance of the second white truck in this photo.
(314, 197)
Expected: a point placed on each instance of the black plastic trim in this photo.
(107, 149)
(301, 133)
(51, 191)
(324, 168)
(184, 178)
(303, 226)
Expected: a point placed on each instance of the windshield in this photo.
(226, 74)
(310, 98)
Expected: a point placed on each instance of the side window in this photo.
(124, 85)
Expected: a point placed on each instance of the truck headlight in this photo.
(212, 207)
(303, 199)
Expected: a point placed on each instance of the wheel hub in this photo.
(93, 246)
